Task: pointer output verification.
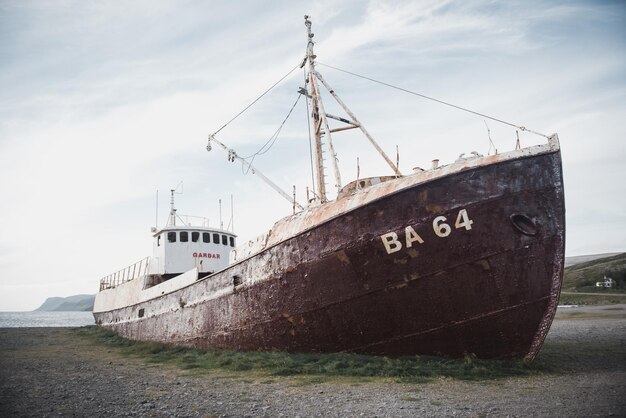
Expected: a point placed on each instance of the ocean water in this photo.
(45, 319)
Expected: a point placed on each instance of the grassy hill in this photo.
(583, 277)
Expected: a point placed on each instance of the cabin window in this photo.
(232, 241)
(184, 236)
(158, 240)
(195, 236)
(224, 240)
(206, 237)
(171, 236)
(216, 238)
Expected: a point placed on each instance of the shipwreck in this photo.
(455, 259)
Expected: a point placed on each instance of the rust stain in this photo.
(343, 257)
(431, 208)
(484, 264)
(412, 252)
(311, 217)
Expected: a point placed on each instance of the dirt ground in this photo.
(52, 372)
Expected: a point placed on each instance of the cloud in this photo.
(103, 103)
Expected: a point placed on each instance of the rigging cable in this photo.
(491, 144)
(265, 148)
(257, 99)
(274, 137)
(521, 128)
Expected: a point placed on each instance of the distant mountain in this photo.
(70, 303)
(582, 277)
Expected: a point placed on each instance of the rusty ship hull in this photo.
(467, 258)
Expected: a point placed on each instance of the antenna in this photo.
(221, 223)
(231, 222)
(172, 219)
(232, 215)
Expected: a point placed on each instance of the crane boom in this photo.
(232, 156)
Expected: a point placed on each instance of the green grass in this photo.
(316, 368)
(606, 299)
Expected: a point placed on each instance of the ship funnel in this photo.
(435, 163)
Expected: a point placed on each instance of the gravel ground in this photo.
(53, 372)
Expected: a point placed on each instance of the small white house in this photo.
(607, 282)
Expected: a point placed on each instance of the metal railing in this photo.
(139, 269)
(199, 220)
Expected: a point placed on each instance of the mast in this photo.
(173, 215)
(319, 127)
(319, 121)
(316, 116)
(172, 219)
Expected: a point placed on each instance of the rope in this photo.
(521, 128)
(257, 99)
(265, 148)
(491, 144)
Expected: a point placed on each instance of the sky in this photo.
(104, 103)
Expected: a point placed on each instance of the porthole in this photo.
(524, 224)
